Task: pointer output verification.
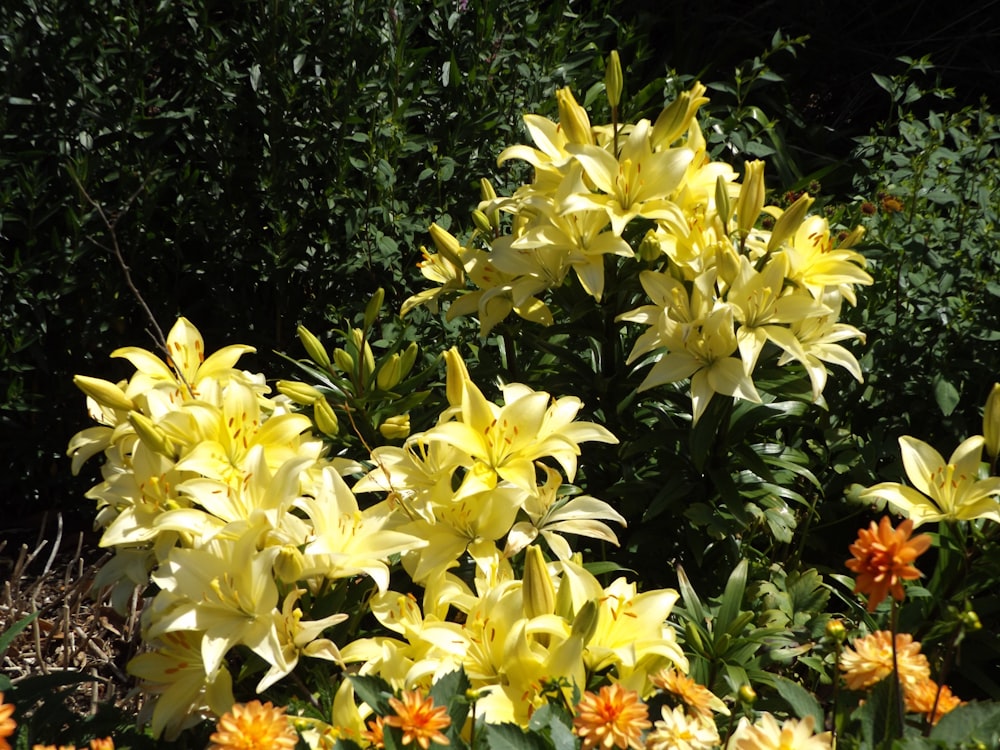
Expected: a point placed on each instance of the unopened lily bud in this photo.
(289, 564)
(836, 631)
(396, 428)
(751, 199)
(481, 222)
(326, 418)
(723, 205)
(650, 248)
(374, 307)
(789, 221)
(486, 191)
(343, 360)
(446, 244)
(564, 599)
(585, 622)
(407, 359)
(852, 239)
(613, 81)
(457, 374)
(300, 393)
(971, 620)
(538, 594)
(727, 263)
(367, 361)
(573, 118)
(389, 373)
(488, 194)
(991, 422)
(104, 392)
(675, 118)
(747, 694)
(314, 348)
(151, 436)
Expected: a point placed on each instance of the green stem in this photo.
(895, 727)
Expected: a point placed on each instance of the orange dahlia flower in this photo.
(883, 558)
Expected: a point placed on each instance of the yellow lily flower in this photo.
(941, 490)
(815, 264)
(503, 442)
(186, 368)
(551, 516)
(818, 337)
(185, 694)
(637, 183)
(579, 240)
(761, 305)
(704, 354)
(225, 590)
(293, 637)
(347, 541)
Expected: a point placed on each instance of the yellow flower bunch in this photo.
(722, 286)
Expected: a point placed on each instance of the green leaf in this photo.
(11, 633)
(973, 722)
(732, 598)
(800, 700)
(449, 691)
(554, 721)
(512, 737)
(372, 690)
(946, 395)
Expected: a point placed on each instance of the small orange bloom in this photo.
(254, 726)
(891, 204)
(376, 733)
(419, 719)
(869, 660)
(882, 559)
(7, 723)
(920, 699)
(103, 744)
(614, 718)
(698, 698)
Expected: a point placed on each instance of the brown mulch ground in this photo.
(76, 629)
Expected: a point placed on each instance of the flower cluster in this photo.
(224, 499)
(720, 287)
(870, 659)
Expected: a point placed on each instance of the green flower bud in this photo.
(326, 418)
(314, 348)
(747, 694)
(482, 222)
(991, 422)
(289, 564)
(538, 594)
(674, 120)
(407, 359)
(836, 631)
(300, 393)
(789, 222)
(374, 307)
(104, 392)
(723, 205)
(388, 375)
(613, 81)
(396, 428)
(650, 248)
(573, 118)
(343, 360)
(368, 362)
(971, 620)
(751, 200)
(585, 622)
(152, 436)
(488, 194)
